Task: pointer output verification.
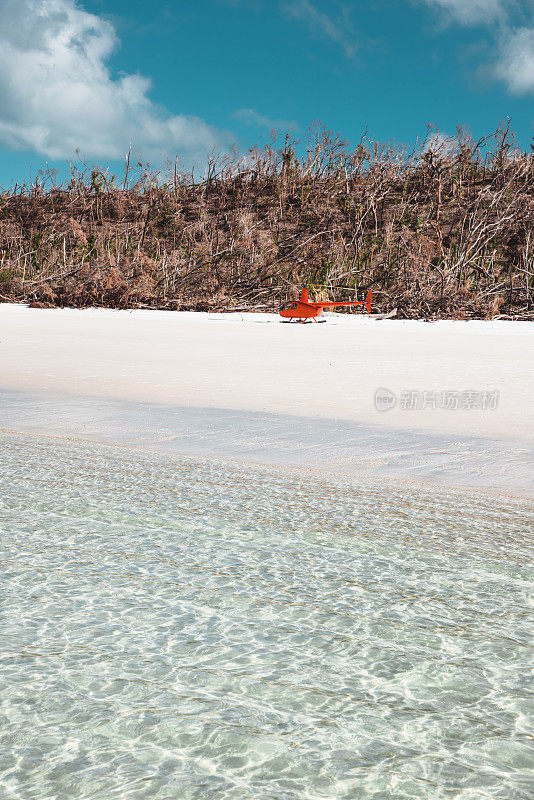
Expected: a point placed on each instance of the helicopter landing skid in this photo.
(301, 321)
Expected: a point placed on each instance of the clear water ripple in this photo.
(187, 629)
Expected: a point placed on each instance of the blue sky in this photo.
(180, 78)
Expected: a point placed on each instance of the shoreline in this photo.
(348, 482)
(246, 389)
(330, 449)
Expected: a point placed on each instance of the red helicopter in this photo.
(304, 310)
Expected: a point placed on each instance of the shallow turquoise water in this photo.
(193, 630)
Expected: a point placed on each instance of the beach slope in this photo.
(458, 405)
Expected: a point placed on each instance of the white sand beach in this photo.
(463, 391)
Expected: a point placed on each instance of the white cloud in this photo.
(251, 117)
(470, 12)
(57, 93)
(440, 144)
(516, 62)
(338, 30)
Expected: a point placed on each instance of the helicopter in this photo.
(304, 310)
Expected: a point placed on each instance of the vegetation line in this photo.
(442, 231)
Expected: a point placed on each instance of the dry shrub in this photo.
(443, 231)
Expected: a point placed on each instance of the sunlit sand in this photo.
(254, 365)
